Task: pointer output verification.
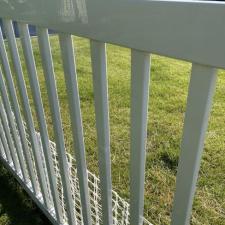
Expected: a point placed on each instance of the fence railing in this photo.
(187, 30)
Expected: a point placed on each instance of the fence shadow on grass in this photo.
(16, 208)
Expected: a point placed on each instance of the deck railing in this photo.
(187, 30)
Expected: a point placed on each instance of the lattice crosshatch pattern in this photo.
(120, 206)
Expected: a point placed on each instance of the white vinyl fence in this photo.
(188, 30)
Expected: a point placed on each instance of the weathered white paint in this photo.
(189, 30)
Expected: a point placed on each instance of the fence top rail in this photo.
(189, 30)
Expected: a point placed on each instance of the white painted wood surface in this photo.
(186, 30)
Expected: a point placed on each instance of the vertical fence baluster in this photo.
(46, 56)
(20, 126)
(2, 150)
(9, 138)
(26, 108)
(98, 57)
(201, 90)
(140, 74)
(11, 121)
(35, 90)
(8, 77)
(66, 44)
(3, 138)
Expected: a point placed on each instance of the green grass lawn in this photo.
(168, 94)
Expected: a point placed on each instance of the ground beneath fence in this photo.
(16, 207)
